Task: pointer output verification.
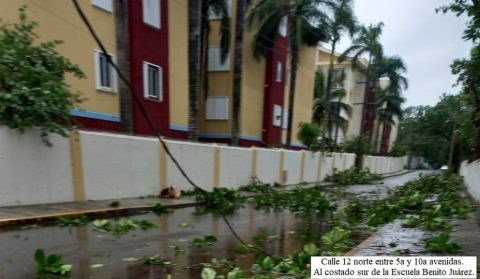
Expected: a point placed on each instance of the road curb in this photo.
(362, 244)
(134, 209)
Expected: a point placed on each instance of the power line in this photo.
(144, 112)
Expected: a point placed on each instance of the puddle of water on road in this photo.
(84, 247)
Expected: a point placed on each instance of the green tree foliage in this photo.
(467, 69)
(308, 134)
(343, 21)
(308, 24)
(358, 145)
(427, 131)
(33, 91)
(471, 8)
(330, 105)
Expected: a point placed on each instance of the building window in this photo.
(151, 13)
(279, 75)
(285, 119)
(104, 72)
(283, 27)
(152, 81)
(213, 15)
(217, 108)
(277, 115)
(105, 5)
(215, 62)
(336, 78)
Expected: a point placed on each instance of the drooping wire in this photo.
(144, 112)
(136, 98)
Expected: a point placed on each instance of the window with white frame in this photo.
(283, 27)
(337, 75)
(217, 108)
(215, 63)
(104, 72)
(152, 81)
(213, 15)
(151, 12)
(277, 115)
(105, 5)
(279, 72)
(285, 119)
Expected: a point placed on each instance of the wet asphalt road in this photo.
(99, 255)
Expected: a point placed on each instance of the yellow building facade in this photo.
(58, 20)
(264, 98)
(354, 85)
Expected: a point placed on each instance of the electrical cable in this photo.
(144, 112)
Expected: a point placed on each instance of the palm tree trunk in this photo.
(122, 35)
(384, 130)
(328, 90)
(476, 123)
(294, 53)
(237, 70)
(337, 115)
(205, 31)
(366, 129)
(377, 135)
(194, 55)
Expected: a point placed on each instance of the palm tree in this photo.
(367, 42)
(308, 25)
(344, 21)
(237, 69)
(197, 44)
(194, 51)
(393, 69)
(222, 10)
(390, 106)
(330, 104)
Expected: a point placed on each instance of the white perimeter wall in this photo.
(118, 166)
(471, 176)
(31, 172)
(384, 165)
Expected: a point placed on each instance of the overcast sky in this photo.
(428, 43)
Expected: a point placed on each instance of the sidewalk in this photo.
(411, 241)
(10, 215)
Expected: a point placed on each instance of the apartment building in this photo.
(59, 21)
(354, 85)
(148, 39)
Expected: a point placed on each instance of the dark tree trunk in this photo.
(476, 123)
(122, 35)
(358, 162)
(369, 110)
(294, 52)
(376, 136)
(194, 55)
(383, 144)
(237, 70)
(368, 115)
(205, 31)
(365, 103)
(328, 91)
(337, 115)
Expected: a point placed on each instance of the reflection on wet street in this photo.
(393, 239)
(84, 247)
(378, 191)
(95, 254)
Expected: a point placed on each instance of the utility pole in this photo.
(452, 144)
